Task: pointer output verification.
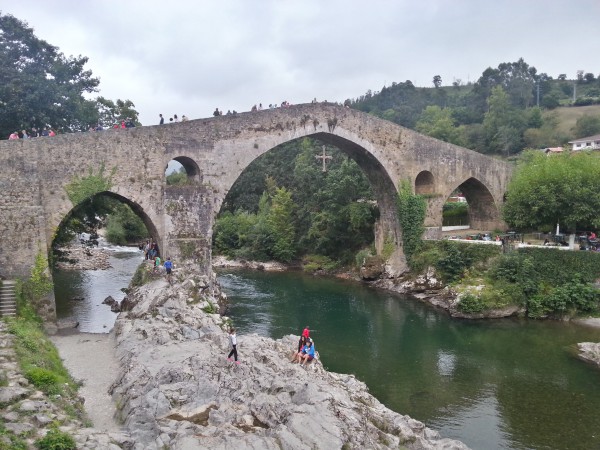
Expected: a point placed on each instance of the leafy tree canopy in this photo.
(439, 123)
(41, 87)
(547, 190)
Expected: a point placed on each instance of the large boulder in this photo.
(372, 268)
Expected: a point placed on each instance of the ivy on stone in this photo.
(39, 284)
(82, 188)
(411, 213)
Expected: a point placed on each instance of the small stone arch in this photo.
(191, 168)
(484, 213)
(424, 183)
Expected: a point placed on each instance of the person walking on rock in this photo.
(233, 343)
(168, 267)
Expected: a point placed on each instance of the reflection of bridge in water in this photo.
(214, 152)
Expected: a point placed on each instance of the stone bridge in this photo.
(214, 152)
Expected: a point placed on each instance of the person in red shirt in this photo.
(306, 332)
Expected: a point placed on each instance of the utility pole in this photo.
(538, 93)
(574, 90)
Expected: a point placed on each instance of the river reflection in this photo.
(492, 384)
(79, 293)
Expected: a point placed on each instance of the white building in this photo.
(586, 143)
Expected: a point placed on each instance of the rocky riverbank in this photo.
(28, 414)
(177, 389)
(83, 258)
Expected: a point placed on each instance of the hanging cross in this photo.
(324, 157)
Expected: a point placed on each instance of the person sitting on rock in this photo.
(301, 344)
(309, 352)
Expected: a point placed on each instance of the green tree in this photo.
(439, 123)
(178, 177)
(546, 190)
(587, 125)
(503, 124)
(437, 81)
(123, 226)
(110, 113)
(40, 86)
(281, 226)
(411, 212)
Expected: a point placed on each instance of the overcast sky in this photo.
(188, 57)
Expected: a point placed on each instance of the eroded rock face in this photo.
(178, 390)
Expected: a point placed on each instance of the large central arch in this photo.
(387, 228)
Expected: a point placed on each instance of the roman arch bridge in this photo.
(36, 174)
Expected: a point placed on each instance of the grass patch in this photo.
(40, 363)
(141, 276)
(568, 115)
(56, 440)
(9, 441)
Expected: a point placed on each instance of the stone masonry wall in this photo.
(34, 201)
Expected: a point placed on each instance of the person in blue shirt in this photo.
(309, 352)
(168, 268)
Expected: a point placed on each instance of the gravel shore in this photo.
(90, 358)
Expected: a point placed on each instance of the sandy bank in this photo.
(90, 358)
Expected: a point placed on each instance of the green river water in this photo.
(502, 384)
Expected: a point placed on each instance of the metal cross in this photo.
(324, 157)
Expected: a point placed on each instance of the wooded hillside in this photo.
(508, 109)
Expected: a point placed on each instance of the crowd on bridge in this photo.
(32, 133)
(122, 124)
(130, 123)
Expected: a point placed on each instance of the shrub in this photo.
(470, 304)
(311, 263)
(558, 267)
(361, 256)
(141, 276)
(574, 295)
(429, 255)
(452, 265)
(43, 379)
(56, 440)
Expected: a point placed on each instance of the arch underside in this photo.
(484, 214)
(387, 229)
(136, 208)
(424, 183)
(191, 168)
